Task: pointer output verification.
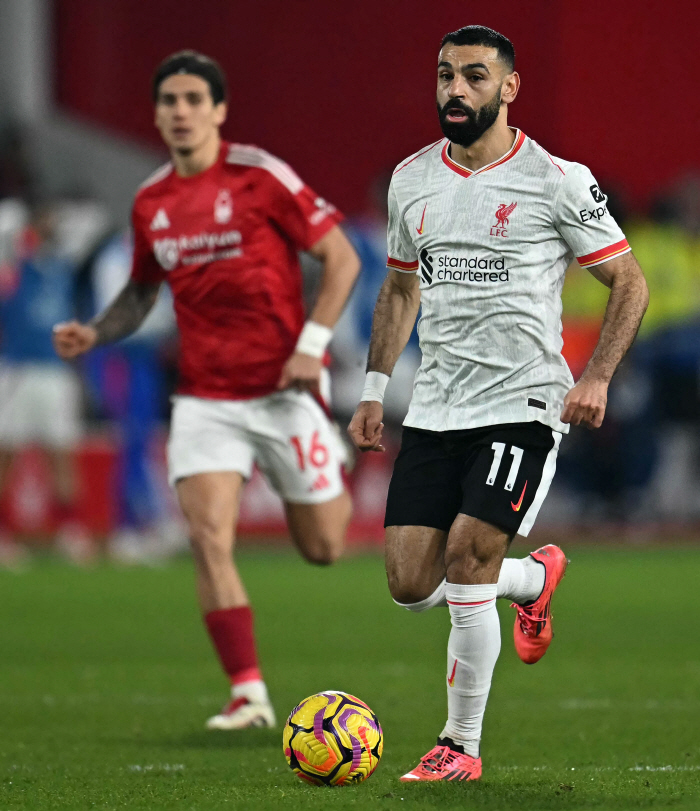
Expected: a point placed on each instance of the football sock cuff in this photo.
(437, 598)
(470, 599)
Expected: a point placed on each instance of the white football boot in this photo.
(242, 713)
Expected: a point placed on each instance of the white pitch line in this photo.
(80, 699)
(608, 704)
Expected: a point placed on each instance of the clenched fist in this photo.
(301, 372)
(72, 338)
(586, 403)
(366, 426)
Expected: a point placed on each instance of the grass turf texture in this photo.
(106, 678)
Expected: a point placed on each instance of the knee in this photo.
(407, 588)
(207, 541)
(321, 550)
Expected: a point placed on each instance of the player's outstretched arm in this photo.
(628, 300)
(340, 268)
(341, 265)
(123, 316)
(394, 316)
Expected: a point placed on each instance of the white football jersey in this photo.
(491, 248)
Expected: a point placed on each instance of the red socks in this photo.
(231, 631)
(64, 513)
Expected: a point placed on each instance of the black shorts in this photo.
(499, 473)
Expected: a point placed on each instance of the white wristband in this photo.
(375, 386)
(314, 339)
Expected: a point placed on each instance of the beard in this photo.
(464, 133)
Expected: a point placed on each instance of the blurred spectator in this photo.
(669, 247)
(643, 464)
(606, 469)
(668, 250)
(40, 396)
(128, 381)
(352, 333)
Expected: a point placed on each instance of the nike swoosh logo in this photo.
(517, 506)
(420, 228)
(451, 680)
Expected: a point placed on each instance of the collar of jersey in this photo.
(210, 170)
(464, 172)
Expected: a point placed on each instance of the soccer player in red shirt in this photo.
(222, 223)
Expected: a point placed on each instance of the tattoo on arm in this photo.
(126, 313)
(626, 306)
(394, 316)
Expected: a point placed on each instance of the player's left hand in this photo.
(301, 372)
(586, 403)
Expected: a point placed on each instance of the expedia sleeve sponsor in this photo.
(594, 212)
(581, 215)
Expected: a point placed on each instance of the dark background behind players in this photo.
(103, 674)
(334, 92)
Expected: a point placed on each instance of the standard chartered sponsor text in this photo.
(472, 268)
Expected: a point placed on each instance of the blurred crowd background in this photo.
(342, 93)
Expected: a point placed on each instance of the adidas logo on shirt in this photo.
(160, 221)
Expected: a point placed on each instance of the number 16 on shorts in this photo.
(315, 455)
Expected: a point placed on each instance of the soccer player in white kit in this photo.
(482, 226)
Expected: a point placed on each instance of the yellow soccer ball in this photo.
(332, 739)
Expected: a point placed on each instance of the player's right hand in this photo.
(71, 338)
(366, 426)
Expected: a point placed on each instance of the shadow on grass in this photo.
(233, 739)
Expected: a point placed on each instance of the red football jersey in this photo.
(226, 241)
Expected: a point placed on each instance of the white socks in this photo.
(437, 598)
(521, 581)
(472, 651)
(255, 691)
(475, 642)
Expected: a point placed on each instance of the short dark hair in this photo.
(481, 35)
(197, 64)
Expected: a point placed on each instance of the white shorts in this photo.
(39, 402)
(287, 435)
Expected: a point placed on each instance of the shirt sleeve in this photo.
(582, 218)
(401, 250)
(299, 212)
(145, 269)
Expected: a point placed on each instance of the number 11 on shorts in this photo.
(498, 449)
(317, 454)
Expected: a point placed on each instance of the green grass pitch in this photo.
(106, 678)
